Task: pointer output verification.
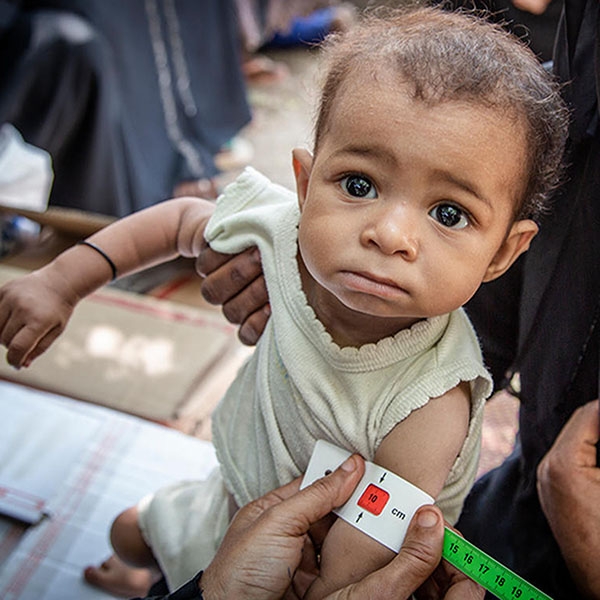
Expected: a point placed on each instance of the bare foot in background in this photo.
(261, 70)
(119, 579)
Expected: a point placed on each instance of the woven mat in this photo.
(133, 353)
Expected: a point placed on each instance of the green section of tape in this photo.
(486, 571)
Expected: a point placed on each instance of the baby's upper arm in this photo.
(422, 450)
(347, 555)
(423, 447)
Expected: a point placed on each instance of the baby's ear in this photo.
(302, 161)
(517, 241)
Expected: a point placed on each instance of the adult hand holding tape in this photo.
(383, 505)
(264, 544)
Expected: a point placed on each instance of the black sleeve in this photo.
(494, 311)
(189, 591)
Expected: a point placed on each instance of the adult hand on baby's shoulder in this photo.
(32, 315)
(236, 282)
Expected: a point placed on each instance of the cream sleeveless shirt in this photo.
(299, 386)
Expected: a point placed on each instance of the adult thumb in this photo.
(419, 556)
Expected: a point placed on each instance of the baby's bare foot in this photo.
(114, 576)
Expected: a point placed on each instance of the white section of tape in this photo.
(382, 504)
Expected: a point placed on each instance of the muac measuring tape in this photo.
(383, 505)
(487, 571)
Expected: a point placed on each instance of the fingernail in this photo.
(427, 518)
(349, 465)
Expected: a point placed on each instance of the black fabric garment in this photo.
(80, 78)
(541, 320)
(188, 591)
(537, 31)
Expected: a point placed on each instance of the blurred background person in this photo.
(132, 100)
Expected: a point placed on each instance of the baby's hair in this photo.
(458, 56)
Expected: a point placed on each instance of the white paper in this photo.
(25, 172)
(39, 446)
(122, 461)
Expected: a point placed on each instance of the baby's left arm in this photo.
(422, 450)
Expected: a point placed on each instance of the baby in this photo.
(438, 139)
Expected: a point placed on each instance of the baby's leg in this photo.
(127, 540)
(132, 569)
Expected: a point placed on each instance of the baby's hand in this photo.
(33, 313)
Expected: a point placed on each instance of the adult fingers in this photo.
(583, 426)
(298, 512)
(575, 444)
(251, 298)
(227, 275)
(448, 583)
(465, 589)
(289, 512)
(252, 328)
(418, 558)
(208, 260)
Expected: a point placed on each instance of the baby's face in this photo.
(406, 205)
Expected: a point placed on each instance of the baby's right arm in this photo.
(35, 309)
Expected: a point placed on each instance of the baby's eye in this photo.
(450, 216)
(358, 186)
